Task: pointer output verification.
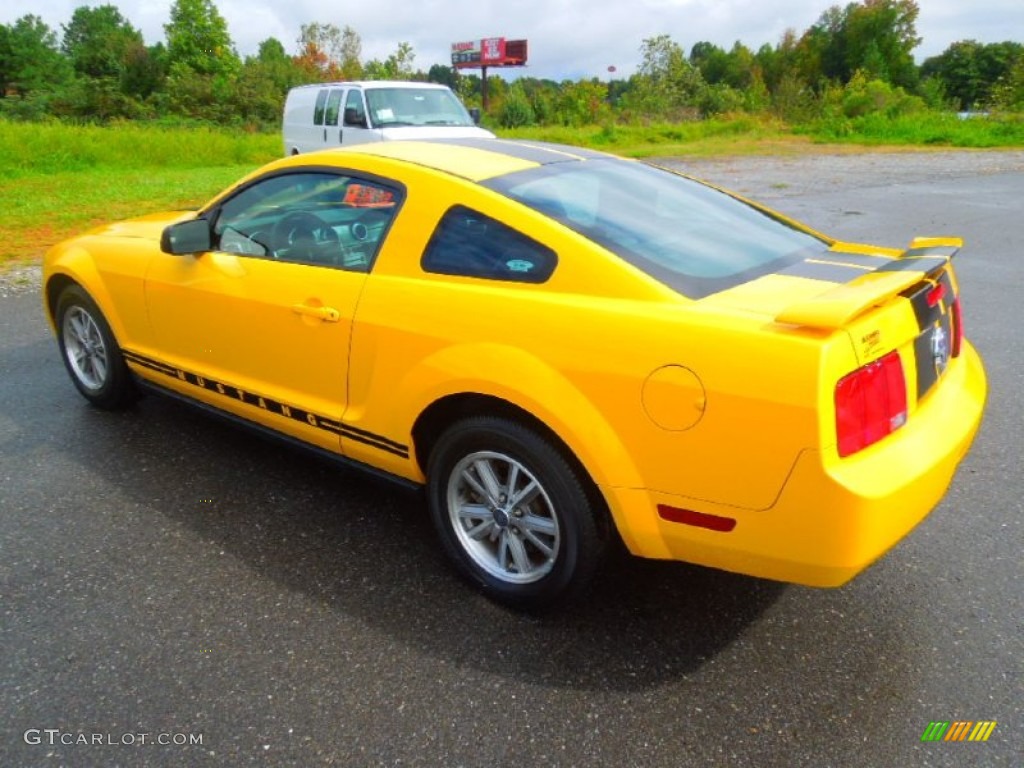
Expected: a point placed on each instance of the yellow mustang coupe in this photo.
(563, 347)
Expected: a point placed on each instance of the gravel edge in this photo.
(20, 279)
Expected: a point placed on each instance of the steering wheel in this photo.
(301, 228)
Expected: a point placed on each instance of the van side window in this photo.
(355, 112)
(333, 104)
(470, 244)
(318, 110)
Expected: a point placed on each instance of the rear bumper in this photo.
(833, 517)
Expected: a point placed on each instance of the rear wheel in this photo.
(90, 352)
(511, 513)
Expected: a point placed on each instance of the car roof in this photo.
(475, 159)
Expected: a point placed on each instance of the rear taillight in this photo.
(871, 403)
(958, 327)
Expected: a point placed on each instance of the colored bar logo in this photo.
(960, 730)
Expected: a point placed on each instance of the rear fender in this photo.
(513, 375)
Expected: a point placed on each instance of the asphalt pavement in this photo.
(175, 591)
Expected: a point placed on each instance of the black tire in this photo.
(90, 352)
(532, 553)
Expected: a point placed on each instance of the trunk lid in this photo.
(884, 300)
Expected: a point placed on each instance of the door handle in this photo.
(330, 314)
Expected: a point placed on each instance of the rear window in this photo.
(689, 236)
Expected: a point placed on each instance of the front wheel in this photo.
(90, 352)
(511, 513)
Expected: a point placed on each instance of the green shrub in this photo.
(720, 98)
(517, 111)
(862, 96)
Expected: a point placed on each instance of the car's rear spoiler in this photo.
(838, 305)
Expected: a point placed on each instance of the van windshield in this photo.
(415, 106)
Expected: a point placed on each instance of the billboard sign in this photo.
(489, 52)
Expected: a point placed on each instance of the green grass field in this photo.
(60, 179)
(34, 149)
(928, 129)
(753, 134)
(739, 135)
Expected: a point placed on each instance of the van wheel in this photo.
(511, 514)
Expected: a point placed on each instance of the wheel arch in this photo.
(55, 286)
(75, 266)
(447, 410)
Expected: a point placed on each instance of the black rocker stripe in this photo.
(271, 405)
(155, 365)
(384, 442)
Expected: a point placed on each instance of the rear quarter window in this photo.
(470, 244)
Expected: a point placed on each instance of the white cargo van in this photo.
(338, 114)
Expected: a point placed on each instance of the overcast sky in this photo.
(568, 38)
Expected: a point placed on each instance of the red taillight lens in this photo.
(871, 403)
(958, 327)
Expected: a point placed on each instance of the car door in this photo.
(260, 326)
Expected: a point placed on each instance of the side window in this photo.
(355, 112)
(333, 105)
(471, 244)
(322, 219)
(318, 110)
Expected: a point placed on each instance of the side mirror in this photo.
(353, 117)
(192, 236)
(475, 114)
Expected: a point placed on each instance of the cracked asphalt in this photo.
(166, 574)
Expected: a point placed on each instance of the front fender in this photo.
(72, 262)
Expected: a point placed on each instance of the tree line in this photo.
(854, 60)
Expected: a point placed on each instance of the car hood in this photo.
(148, 227)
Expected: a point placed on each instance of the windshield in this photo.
(415, 106)
(689, 236)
